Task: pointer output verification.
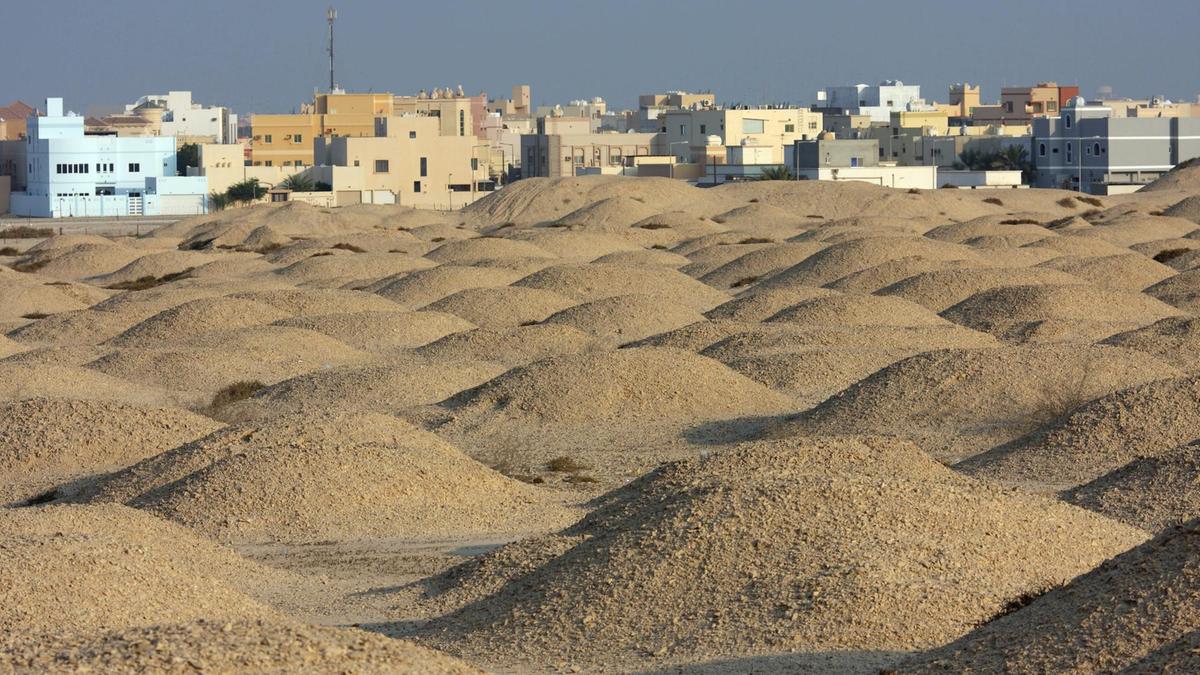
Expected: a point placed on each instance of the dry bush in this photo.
(1068, 203)
(150, 281)
(238, 391)
(438, 240)
(268, 248)
(1055, 400)
(566, 464)
(576, 478)
(31, 266)
(26, 232)
(993, 200)
(1156, 213)
(1020, 221)
(914, 191)
(754, 201)
(655, 226)
(1059, 223)
(1091, 215)
(8, 250)
(757, 240)
(1093, 201)
(659, 247)
(745, 281)
(319, 254)
(35, 315)
(349, 247)
(1170, 254)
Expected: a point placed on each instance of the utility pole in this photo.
(330, 16)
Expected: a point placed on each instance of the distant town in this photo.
(441, 148)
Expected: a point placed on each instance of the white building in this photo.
(70, 174)
(190, 122)
(877, 102)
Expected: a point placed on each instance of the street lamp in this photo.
(450, 190)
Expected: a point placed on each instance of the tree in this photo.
(776, 173)
(246, 191)
(217, 201)
(188, 155)
(298, 182)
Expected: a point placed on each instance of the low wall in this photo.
(5, 193)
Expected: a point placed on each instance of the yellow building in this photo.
(933, 122)
(688, 131)
(287, 140)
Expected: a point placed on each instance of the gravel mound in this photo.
(1019, 313)
(199, 316)
(858, 310)
(275, 647)
(959, 402)
(1130, 271)
(78, 327)
(376, 331)
(1181, 290)
(1175, 341)
(752, 266)
(308, 302)
(320, 477)
(418, 289)
(1099, 436)
(759, 305)
(80, 261)
(483, 249)
(1151, 492)
(625, 318)
(840, 260)
(1188, 207)
(349, 269)
(61, 439)
(769, 547)
(598, 281)
(510, 346)
(576, 245)
(502, 307)
(1119, 615)
(120, 568)
(884, 274)
(939, 290)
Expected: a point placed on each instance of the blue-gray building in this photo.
(1085, 148)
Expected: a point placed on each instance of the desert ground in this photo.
(611, 424)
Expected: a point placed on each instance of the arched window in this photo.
(1096, 149)
(1068, 121)
(1041, 149)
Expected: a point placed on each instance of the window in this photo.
(412, 134)
(683, 130)
(135, 168)
(424, 166)
(462, 124)
(1052, 106)
(474, 163)
(578, 156)
(416, 186)
(1041, 149)
(1096, 149)
(1067, 121)
(704, 128)
(267, 138)
(299, 138)
(750, 126)
(356, 162)
(789, 128)
(812, 126)
(269, 163)
(381, 166)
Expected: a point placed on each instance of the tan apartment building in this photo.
(409, 156)
(1019, 105)
(964, 99)
(688, 131)
(14, 116)
(566, 147)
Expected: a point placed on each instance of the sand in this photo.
(502, 307)
(625, 318)
(1153, 492)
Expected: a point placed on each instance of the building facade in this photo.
(187, 121)
(690, 132)
(566, 153)
(876, 101)
(1085, 148)
(70, 174)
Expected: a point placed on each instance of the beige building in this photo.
(14, 116)
(287, 140)
(567, 153)
(410, 157)
(688, 132)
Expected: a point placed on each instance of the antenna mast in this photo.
(331, 16)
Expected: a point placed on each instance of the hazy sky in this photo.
(268, 56)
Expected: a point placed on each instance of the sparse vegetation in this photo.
(321, 254)
(993, 200)
(914, 191)
(349, 247)
(35, 315)
(8, 250)
(754, 200)
(757, 240)
(268, 248)
(1057, 399)
(776, 173)
(1093, 201)
(30, 266)
(1059, 223)
(566, 464)
(655, 226)
(1068, 203)
(238, 391)
(26, 232)
(530, 322)
(1170, 254)
(150, 281)
(1020, 221)
(1091, 215)
(659, 247)
(578, 478)
(438, 240)
(745, 281)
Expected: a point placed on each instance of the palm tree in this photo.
(1013, 157)
(776, 173)
(217, 201)
(299, 182)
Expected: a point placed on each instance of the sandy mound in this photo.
(156, 265)
(1137, 228)
(1131, 271)
(1151, 492)
(79, 327)
(240, 646)
(575, 245)
(990, 226)
(35, 379)
(503, 306)
(858, 310)
(840, 260)
(418, 289)
(941, 289)
(1181, 290)
(1112, 617)
(1099, 437)
(721, 253)
(192, 375)
(66, 241)
(959, 402)
(759, 305)
(612, 214)
(597, 281)
(1049, 313)
(120, 568)
(9, 347)
(199, 316)
(544, 200)
(80, 261)
(884, 274)
(342, 269)
(625, 318)
(58, 439)
(309, 302)
(1175, 341)
(1188, 208)
(627, 385)
(510, 346)
(482, 249)
(316, 477)
(294, 349)
(643, 257)
(385, 387)
(750, 267)
(849, 544)
(382, 331)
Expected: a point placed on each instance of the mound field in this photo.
(607, 424)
